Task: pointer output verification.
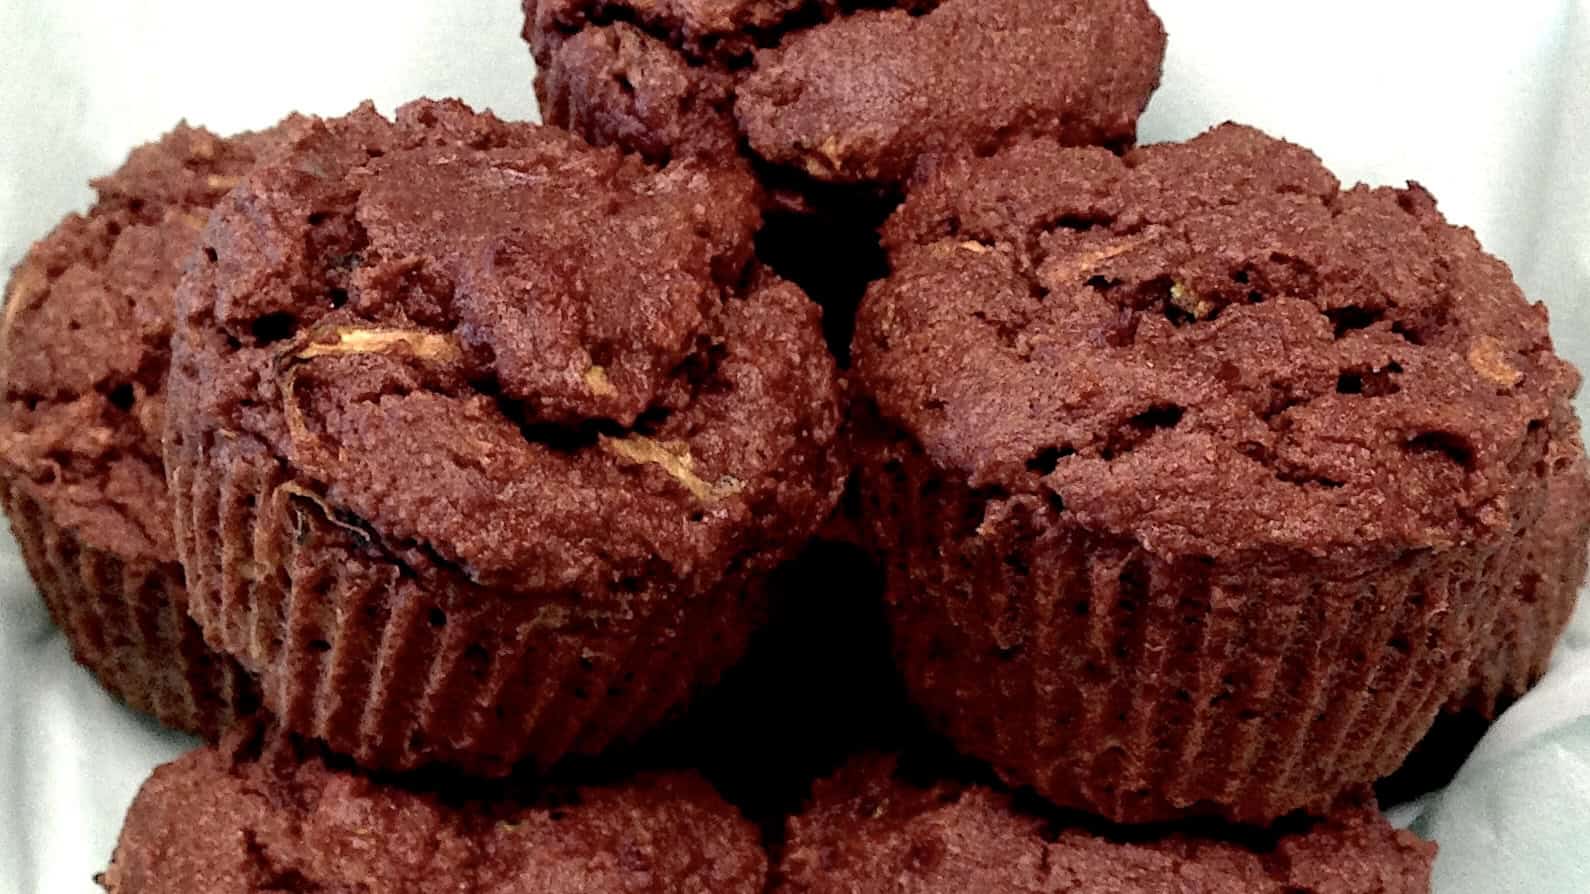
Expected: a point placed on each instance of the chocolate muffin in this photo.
(842, 91)
(871, 828)
(483, 441)
(1553, 572)
(266, 814)
(1201, 482)
(834, 102)
(83, 358)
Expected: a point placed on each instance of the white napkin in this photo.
(1486, 105)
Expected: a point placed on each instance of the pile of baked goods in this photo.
(828, 456)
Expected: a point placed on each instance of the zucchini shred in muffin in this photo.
(1202, 484)
(83, 358)
(484, 441)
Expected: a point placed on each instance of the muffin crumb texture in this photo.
(868, 829)
(88, 322)
(273, 816)
(843, 92)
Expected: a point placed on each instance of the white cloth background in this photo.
(1487, 104)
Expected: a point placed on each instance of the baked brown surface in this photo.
(870, 829)
(843, 92)
(267, 814)
(1202, 483)
(83, 357)
(484, 441)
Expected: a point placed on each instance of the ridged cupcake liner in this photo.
(1549, 576)
(1113, 681)
(401, 669)
(126, 623)
(1529, 630)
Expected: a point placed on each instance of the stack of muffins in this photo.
(436, 469)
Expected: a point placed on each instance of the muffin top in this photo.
(850, 92)
(870, 827)
(1208, 347)
(84, 349)
(491, 349)
(263, 813)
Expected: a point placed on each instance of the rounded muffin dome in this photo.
(1218, 471)
(263, 812)
(484, 440)
(879, 824)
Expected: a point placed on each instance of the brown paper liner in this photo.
(1551, 573)
(126, 622)
(399, 662)
(1142, 689)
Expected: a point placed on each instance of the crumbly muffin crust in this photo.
(1198, 457)
(264, 813)
(86, 341)
(869, 828)
(83, 358)
(843, 92)
(484, 439)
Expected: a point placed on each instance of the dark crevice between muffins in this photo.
(1437, 758)
(939, 779)
(782, 718)
(816, 686)
(833, 257)
(255, 742)
(825, 238)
